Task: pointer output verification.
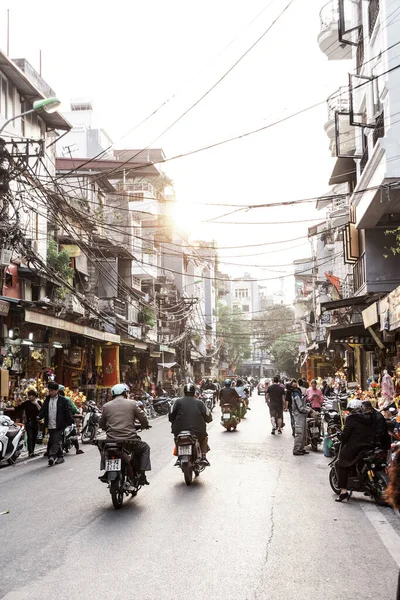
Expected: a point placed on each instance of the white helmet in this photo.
(119, 389)
(355, 403)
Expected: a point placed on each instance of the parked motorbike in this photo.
(314, 431)
(229, 417)
(69, 437)
(189, 456)
(162, 405)
(11, 440)
(90, 424)
(368, 475)
(116, 458)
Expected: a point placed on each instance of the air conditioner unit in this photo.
(5, 257)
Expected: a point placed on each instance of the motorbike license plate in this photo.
(113, 464)
(314, 429)
(185, 450)
(226, 417)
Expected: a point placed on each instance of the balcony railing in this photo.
(364, 159)
(347, 286)
(338, 101)
(360, 54)
(379, 130)
(373, 12)
(142, 186)
(359, 274)
(329, 14)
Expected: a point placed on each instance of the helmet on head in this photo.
(189, 388)
(354, 404)
(119, 389)
(61, 387)
(227, 383)
(239, 383)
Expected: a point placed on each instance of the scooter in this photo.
(69, 437)
(229, 418)
(189, 456)
(90, 423)
(11, 440)
(208, 398)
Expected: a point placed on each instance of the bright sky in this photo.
(132, 57)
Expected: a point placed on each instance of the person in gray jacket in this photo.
(300, 411)
(118, 421)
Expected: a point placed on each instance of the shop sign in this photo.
(4, 308)
(167, 349)
(72, 250)
(394, 309)
(57, 323)
(110, 365)
(370, 315)
(134, 331)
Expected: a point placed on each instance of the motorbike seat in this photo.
(12, 432)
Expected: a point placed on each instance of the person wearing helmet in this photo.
(191, 414)
(118, 421)
(229, 395)
(358, 435)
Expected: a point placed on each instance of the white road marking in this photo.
(14, 596)
(386, 532)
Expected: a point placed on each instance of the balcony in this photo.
(140, 191)
(146, 268)
(337, 102)
(113, 307)
(328, 38)
(374, 273)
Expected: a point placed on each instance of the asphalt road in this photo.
(260, 524)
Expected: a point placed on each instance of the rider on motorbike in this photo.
(191, 414)
(118, 421)
(229, 395)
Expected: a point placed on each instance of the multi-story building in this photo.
(364, 129)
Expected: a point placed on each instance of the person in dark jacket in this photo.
(31, 408)
(191, 414)
(228, 395)
(382, 437)
(358, 435)
(57, 414)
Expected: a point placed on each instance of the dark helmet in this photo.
(239, 383)
(227, 383)
(189, 389)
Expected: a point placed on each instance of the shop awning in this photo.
(57, 323)
(134, 343)
(168, 365)
(344, 302)
(343, 171)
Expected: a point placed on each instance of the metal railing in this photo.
(329, 14)
(338, 101)
(142, 186)
(373, 12)
(379, 130)
(359, 274)
(347, 286)
(360, 53)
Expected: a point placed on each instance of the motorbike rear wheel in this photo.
(187, 473)
(314, 444)
(333, 481)
(117, 493)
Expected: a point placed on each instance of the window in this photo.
(241, 293)
(246, 308)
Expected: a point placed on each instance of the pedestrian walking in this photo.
(275, 398)
(300, 412)
(57, 414)
(289, 388)
(31, 408)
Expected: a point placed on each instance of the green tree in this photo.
(273, 323)
(285, 351)
(60, 262)
(235, 332)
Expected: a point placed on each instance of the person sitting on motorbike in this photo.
(118, 421)
(358, 435)
(208, 385)
(242, 390)
(229, 395)
(382, 437)
(191, 414)
(159, 389)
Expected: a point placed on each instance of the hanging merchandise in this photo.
(387, 386)
(110, 360)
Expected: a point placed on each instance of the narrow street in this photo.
(259, 524)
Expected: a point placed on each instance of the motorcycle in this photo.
(368, 475)
(90, 424)
(208, 398)
(11, 440)
(69, 436)
(116, 458)
(162, 405)
(189, 455)
(229, 418)
(314, 431)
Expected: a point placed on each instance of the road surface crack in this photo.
(272, 519)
